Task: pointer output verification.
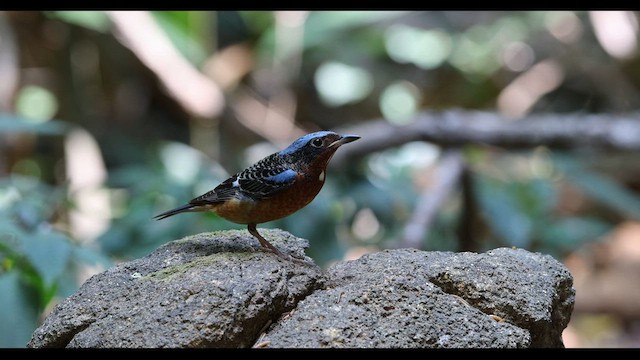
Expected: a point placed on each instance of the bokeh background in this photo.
(109, 118)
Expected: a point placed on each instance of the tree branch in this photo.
(459, 127)
(467, 221)
(194, 91)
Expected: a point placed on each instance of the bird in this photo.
(272, 188)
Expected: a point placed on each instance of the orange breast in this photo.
(278, 206)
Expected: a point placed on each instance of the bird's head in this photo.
(318, 147)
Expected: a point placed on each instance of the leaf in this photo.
(322, 27)
(48, 253)
(10, 235)
(570, 233)
(540, 197)
(18, 311)
(503, 214)
(11, 124)
(600, 188)
(94, 20)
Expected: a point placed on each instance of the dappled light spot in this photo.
(36, 103)
(478, 51)
(517, 56)
(399, 102)
(616, 31)
(517, 98)
(84, 164)
(339, 84)
(181, 162)
(475, 53)
(426, 49)
(540, 163)
(414, 155)
(365, 224)
(564, 26)
(86, 174)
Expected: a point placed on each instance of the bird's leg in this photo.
(253, 231)
(265, 244)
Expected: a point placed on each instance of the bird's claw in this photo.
(288, 257)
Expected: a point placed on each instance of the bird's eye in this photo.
(316, 142)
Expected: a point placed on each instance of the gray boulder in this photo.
(213, 289)
(220, 290)
(410, 298)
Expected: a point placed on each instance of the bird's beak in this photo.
(344, 139)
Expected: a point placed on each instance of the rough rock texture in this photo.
(530, 290)
(213, 289)
(218, 289)
(411, 298)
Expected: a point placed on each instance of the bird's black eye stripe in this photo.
(317, 142)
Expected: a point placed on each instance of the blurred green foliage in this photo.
(353, 67)
(521, 214)
(38, 261)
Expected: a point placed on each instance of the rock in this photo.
(410, 298)
(216, 289)
(530, 290)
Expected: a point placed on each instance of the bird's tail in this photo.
(181, 209)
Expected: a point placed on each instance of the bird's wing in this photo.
(263, 179)
(267, 183)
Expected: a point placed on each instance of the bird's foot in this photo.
(287, 257)
(268, 247)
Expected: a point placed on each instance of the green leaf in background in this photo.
(324, 26)
(10, 124)
(10, 235)
(185, 31)
(570, 233)
(25, 205)
(599, 187)
(504, 214)
(321, 28)
(18, 311)
(94, 20)
(540, 196)
(48, 253)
